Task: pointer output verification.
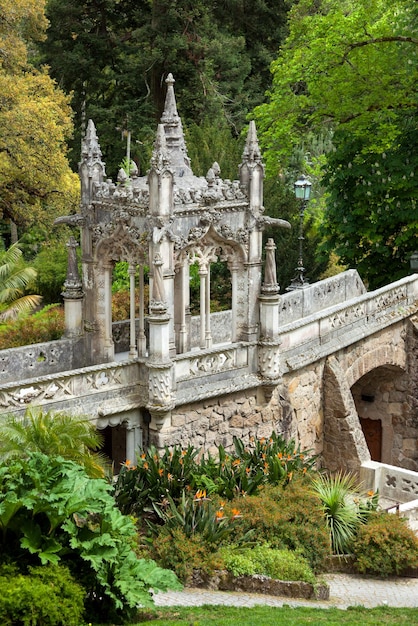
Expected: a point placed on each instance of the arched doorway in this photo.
(380, 397)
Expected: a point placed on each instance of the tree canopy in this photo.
(350, 68)
(36, 182)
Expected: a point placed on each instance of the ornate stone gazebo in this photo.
(166, 221)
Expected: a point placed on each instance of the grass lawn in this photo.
(274, 616)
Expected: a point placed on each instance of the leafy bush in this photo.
(51, 510)
(44, 595)
(175, 550)
(262, 559)
(51, 267)
(285, 517)
(385, 546)
(47, 324)
(344, 508)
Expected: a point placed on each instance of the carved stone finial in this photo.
(270, 284)
(170, 114)
(251, 152)
(90, 148)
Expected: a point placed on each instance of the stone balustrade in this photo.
(392, 483)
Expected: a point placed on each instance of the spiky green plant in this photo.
(53, 434)
(15, 277)
(344, 508)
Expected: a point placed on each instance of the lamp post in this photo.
(302, 192)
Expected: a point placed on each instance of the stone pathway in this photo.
(345, 590)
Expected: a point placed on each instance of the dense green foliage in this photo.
(44, 596)
(371, 220)
(44, 325)
(349, 69)
(51, 511)
(156, 476)
(385, 546)
(114, 56)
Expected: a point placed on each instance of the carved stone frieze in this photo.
(212, 363)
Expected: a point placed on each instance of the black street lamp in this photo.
(302, 192)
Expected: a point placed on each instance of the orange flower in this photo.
(236, 462)
(219, 515)
(290, 476)
(279, 455)
(221, 505)
(127, 462)
(161, 471)
(235, 513)
(248, 470)
(304, 470)
(145, 466)
(143, 455)
(200, 494)
(301, 456)
(170, 476)
(370, 493)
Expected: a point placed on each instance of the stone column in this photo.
(203, 273)
(142, 340)
(73, 294)
(132, 310)
(160, 366)
(268, 350)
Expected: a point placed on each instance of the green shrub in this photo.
(47, 596)
(385, 546)
(175, 550)
(344, 507)
(279, 564)
(285, 517)
(47, 324)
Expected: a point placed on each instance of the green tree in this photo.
(371, 221)
(351, 68)
(349, 63)
(15, 277)
(53, 434)
(36, 183)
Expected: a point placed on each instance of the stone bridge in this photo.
(327, 364)
(345, 380)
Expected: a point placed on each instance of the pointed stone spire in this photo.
(252, 169)
(92, 168)
(90, 148)
(176, 145)
(251, 152)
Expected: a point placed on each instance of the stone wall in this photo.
(215, 422)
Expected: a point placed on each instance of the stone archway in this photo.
(380, 397)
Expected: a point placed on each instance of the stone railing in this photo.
(85, 391)
(217, 370)
(36, 360)
(320, 334)
(318, 296)
(393, 483)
